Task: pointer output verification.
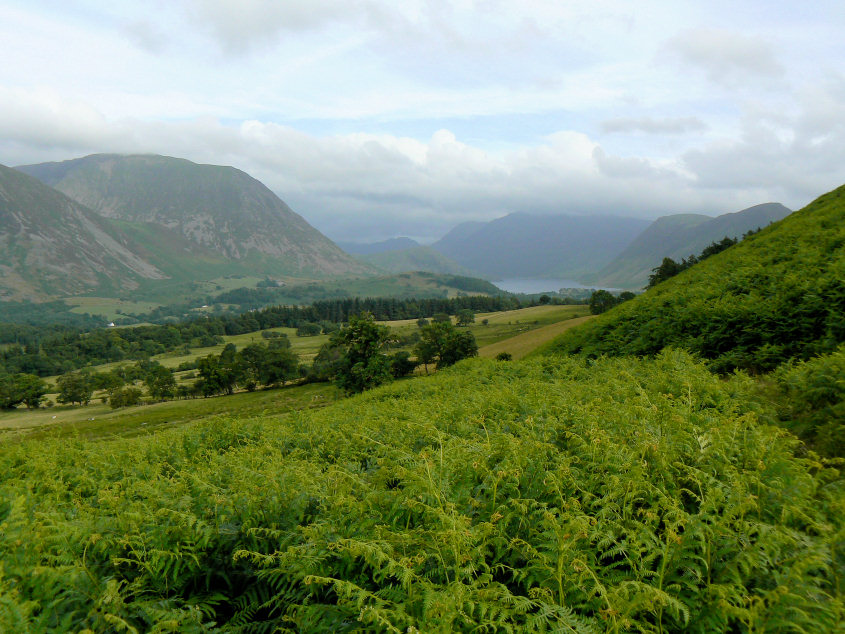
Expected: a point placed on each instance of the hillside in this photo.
(525, 245)
(199, 218)
(554, 495)
(775, 296)
(52, 245)
(677, 237)
(418, 258)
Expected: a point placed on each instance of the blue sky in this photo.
(374, 118)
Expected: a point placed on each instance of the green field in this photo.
(523, 344)
(110, 308)
(516, 326)
(99, 420)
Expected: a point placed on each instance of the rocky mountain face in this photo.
(53, 245)
(217, 212)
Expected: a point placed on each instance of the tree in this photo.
(308, 329)
(440, 342)
(215, 376)
(668, 268)
(32, 390)
(124, 397)
(75, 387)
(21, 388)
(160, 382)
(280, 365)
(362, 366)
(401, 364)
(601, 301)
(544, 299)
(466, 316)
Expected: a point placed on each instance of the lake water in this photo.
(524, 285)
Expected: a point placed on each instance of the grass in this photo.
(108, 307)
(99, 420)
(525, 343)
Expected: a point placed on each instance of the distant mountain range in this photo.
(525, 245)
(371, 248)
(677, 237)
(418, 258)
(186, 221)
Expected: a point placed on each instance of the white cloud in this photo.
(407, 117)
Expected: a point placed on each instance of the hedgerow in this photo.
(563, 494)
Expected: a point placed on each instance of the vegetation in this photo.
(814, 403)
(362, 364)
(776, 296)
(558, 494)
(601, 300)
(669, 268)
(442, 344)
(47, 351)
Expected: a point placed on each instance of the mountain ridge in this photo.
(539, 246)
(678, 236)
(217, 208)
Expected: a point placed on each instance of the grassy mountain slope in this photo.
(418, 258)
(678, 237)
(777, 295)
(52, 245)
(556, 495)
(525, 245)
(219, 209)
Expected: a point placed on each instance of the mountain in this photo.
(525, 245)
(52, 245)
(776, 296)
(418, 258)
(198, 220)
(371, 248)
(677, 237)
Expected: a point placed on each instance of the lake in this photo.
(525, 285)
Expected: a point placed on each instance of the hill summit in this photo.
(205, 212)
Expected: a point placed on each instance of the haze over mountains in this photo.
(525, 245)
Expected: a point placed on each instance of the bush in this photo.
(814, 407)
(124, 397)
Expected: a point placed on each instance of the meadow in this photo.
(97, 417)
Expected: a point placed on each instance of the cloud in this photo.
(243, 25)
(727, 57)
(371, 186)
(649, 125)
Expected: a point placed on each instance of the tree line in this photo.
(47, 351)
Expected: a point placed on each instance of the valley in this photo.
(261, 445)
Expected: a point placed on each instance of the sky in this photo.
(379, 118)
